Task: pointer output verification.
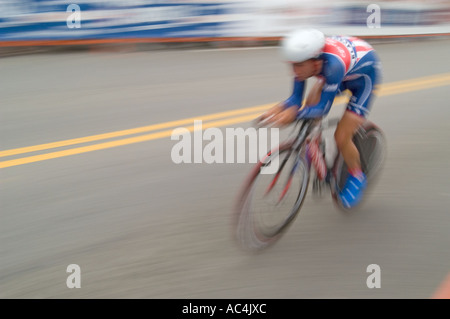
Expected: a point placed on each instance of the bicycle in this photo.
(300, 155)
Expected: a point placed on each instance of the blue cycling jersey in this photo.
(348, 63)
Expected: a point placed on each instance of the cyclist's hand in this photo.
(267, 117)
(286, 117)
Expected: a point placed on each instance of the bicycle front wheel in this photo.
(271, 198)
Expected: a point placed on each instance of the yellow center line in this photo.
(234, 117)
(137, 130)
(125, 141)
(420, 84)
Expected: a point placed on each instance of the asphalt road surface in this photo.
(140, 226)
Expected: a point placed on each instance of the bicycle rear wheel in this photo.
(371, 145)
(269, 203)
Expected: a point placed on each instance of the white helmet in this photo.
(302, 45)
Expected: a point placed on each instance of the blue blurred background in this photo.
(140, 19)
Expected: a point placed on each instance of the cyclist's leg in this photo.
(353, 190)
(357, 110)
(347, 127)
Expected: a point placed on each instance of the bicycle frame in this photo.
(311, 128)
(309, 131)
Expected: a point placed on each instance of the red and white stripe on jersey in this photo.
(361, 47)
(338, 49)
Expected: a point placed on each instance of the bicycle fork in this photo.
(316, 157)
(277, 175)
(287, 185)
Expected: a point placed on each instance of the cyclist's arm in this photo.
(323, 107)
(333, 77)
(295, 100)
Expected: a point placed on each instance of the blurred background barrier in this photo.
(51, 22)
(360, 18)
(57, 20)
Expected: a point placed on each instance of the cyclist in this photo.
(340, 63)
